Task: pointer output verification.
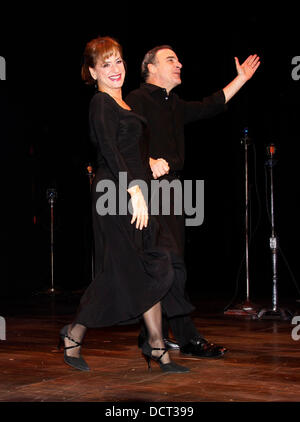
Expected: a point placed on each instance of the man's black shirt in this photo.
(166, 116)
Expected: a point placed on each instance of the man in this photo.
(166, 116)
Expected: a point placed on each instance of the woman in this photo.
(132, 272)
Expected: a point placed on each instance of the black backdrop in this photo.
(44, 139)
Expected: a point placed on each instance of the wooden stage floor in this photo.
(263, 364)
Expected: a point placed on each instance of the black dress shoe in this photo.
(201, 348)
(170, 344)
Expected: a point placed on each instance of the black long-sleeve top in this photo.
(166, 116)
(116, 132)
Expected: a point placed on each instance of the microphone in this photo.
(246, 138)
(89, 169)
(271, 149)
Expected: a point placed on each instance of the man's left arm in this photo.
(245, 71)
(216, 103)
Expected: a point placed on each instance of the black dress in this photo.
(134, 269)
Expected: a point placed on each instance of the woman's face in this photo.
(110, 73)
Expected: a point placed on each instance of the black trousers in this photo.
(182, 327)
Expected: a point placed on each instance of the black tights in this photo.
(153, 322)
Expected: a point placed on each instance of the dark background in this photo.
(44, 139)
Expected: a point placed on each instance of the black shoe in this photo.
(77, 363)
(170, 367)
(170, 344)
(201, 348)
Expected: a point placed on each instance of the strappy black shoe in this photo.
(170, 367)
(77, 363)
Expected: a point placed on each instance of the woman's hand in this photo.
(140, 209)
(159, 167)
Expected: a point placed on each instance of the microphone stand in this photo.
(52, 196)
(275, 312)
(246, 308)
(91, 177)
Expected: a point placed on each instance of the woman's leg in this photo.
(75, 332)
(153, 322)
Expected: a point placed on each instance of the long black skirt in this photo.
(134, 269)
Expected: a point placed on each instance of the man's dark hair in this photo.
(150, 58)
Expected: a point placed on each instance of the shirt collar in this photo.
(155, 89)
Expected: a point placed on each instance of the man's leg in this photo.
(183, 329)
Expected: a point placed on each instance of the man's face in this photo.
(166, 69)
